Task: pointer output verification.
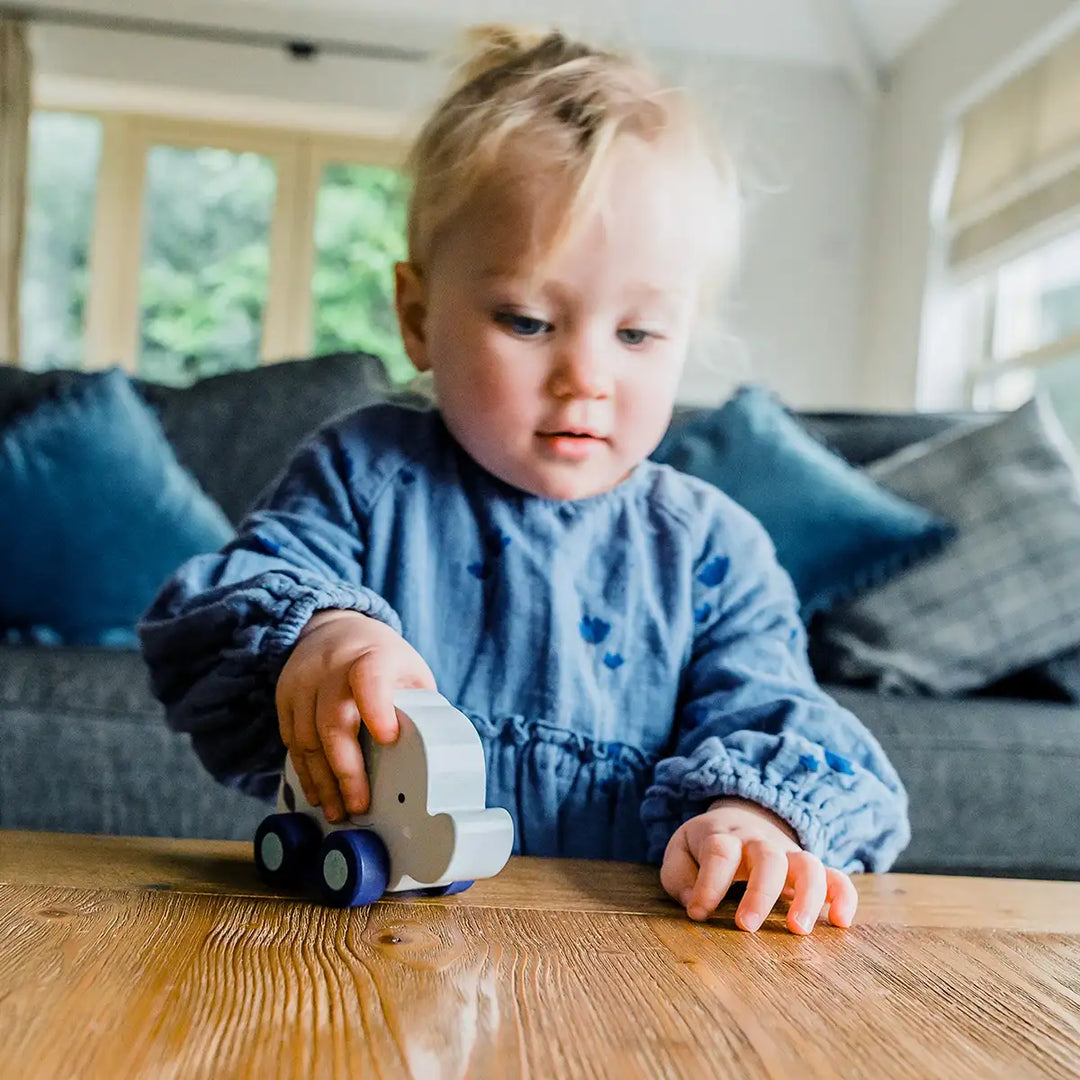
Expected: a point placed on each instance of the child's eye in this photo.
(628, 335)
(522, 325)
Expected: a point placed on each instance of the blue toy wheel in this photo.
(285, 846)
(355, 867)
(451, 889)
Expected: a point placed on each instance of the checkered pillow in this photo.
(1005, 594)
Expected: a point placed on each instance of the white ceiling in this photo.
(818, 32)
(891, 25)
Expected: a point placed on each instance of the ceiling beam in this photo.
(853, 49)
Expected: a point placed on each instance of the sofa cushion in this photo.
(1004, 595)
(836, 531)
(236, 432)
(97, 513)
(84, 747)
(989, 782)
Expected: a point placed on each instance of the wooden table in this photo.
(126, 958)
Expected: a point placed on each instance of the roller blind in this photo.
(1019, 165)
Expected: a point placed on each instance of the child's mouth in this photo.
(571, 445)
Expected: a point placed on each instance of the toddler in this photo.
(620, 634)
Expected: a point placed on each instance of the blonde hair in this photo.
(528, 103)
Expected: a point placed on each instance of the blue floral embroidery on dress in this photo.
(593, 629)
(613, 660)
(703, 612)
(840, 764)
(494, 545)
(714, 571)
(271, 547)
(808, 761)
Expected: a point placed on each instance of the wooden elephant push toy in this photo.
(426, 830)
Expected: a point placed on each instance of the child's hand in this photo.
(343, 671)
(736, 840)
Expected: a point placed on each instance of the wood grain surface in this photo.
(226, 867)
(137, 958)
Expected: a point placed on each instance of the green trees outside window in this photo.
(359, 235)
(205, 221)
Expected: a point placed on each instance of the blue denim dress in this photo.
(626, 658)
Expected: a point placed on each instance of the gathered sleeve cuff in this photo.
(220, 631)
(754, 724)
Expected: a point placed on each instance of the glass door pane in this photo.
(359, 235)
(205, 262)
(65, 150)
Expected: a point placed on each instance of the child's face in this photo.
(560, 377)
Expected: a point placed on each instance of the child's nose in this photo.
(583, 369)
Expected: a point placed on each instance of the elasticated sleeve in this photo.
(220, 631)
(754, 723)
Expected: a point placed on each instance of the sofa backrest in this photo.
(862, 437)
(236, 432)
(233, 432)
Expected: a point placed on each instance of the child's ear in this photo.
(410, 299)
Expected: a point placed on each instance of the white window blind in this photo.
(1019, 164)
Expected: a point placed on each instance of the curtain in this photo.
(14, 138)
(1019, 167)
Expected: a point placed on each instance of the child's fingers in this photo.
(285, 730)
(768, 868)
(719, 856)
(283, 702)
(337, 721)
(306, 747)
(807, 876)
(679, 870)
(296, 722)
(325, 784)
(842, 897)
(372, 685)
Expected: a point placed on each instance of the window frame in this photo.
(983, 368)
(111, 325)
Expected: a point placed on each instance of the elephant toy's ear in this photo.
(431, 849)
(429, 792)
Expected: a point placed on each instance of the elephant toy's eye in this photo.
(401, 796)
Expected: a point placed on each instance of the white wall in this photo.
(973, 41)
(802, 140)
(800, 135)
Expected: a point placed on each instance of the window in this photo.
(180, 250)
(1008, 310)
(359, 235)
(65, 150)
(205, 261)
(1031, 336)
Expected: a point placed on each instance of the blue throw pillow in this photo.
(836, 531)
(96, 514)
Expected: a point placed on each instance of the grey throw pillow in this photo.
(1004, 595)
(236, 432)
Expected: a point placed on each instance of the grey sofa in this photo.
(83, 745)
